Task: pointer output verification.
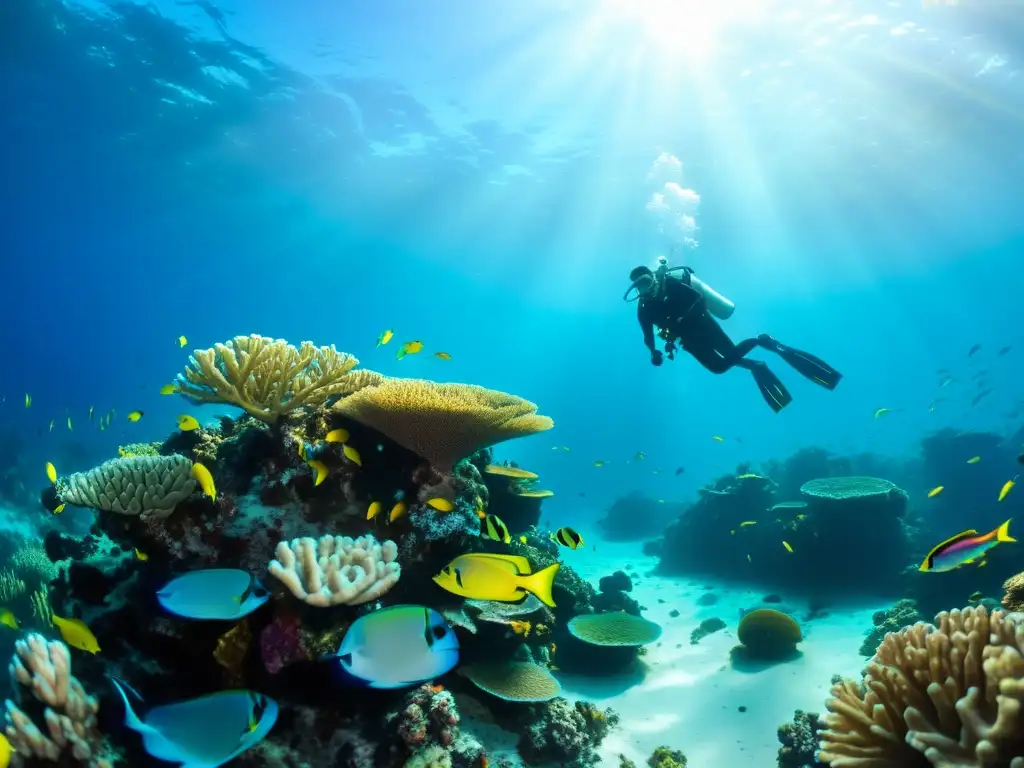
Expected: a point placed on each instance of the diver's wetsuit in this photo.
(680, 311)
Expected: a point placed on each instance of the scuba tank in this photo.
(717, 304)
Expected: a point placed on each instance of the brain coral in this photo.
(768, 634)
(513, 680)
(619, 629)
(947, 694)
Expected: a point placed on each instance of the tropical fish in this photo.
(600, 463)
(409, 348)
(973, 349)
(491, 527)
(523, 539)
(59, 508)
(946, 382)
(352, 455)
(337, 436)
(974, 459)
(639, 456)
(975, 596)
(440, 504)
(168, 389)
(718, 438)
(77, 634)
(397, 511)
(135, 415)
(51, 424)
(680, 470)
(966, 547)
(187, 423)
(567, 537)
(786, 545)
(70, 428)
(373, 511)
(320, 469)
(385, 337)
(182, 341)
(935, 491)
(505, 578)
(443, 355)
(51, 472)
(202, 476)
(142, 556)
(226, 594)
(91, 409)
(1007, 487)
(745, 523)
(205, 732)
(8, 620)
(28, 400)
(750, 476)
(6, 750)
(399, 647)
(1003, 351)
(881, 412)
(981, 396)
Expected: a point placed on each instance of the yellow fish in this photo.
(187, 423)
(935, 491)
(397, 511)
(385, 337)
(567, 537)
(750, 476)
(205, 479)
(141, 555)
(337, 436)
(974, 459)
(522, 539)
(28, 400)
(71, 428)
(441, 505)
(77, 634)
(182, 341)
(134, 416)
(168, 389)
(718, 439)
(352, 455)
(90, 412)
(59, 508)
(745, 523)
(409, 348)
(51, 472)
(881, 412)
(786, 545)
(321, 470)
(5, 751)
(8, 620)
(600, 463)
(1007, 487)
(373, 511)
(505, 578)
(443, 355)
(51, 425)
(302, 450)
(491, 527)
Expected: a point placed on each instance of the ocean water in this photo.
(482, 177)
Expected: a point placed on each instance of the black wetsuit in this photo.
(681, 313)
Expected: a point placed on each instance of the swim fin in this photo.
(772, 390)
(806, 364)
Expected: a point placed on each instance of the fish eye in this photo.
(439, 631)
(261, 592)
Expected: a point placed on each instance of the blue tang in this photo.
(205, 732)
(216, 593)
(397, 647)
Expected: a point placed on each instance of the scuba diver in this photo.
(684, 308)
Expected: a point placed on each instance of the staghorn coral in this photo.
(44, 668)
(270, 378)
(151, 486)
(442, 423)
(947, 694)
(336, 570)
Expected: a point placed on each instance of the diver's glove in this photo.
(656, 357)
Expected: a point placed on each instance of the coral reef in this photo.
(427, 725)
(902, 614)
(800, 741)
(560, 733)
(665, 757)
(336, 570)
(768, 635)
(151, 486)
(705, 628)
(636, 517)
(1013, 593)
(69, 714)
(942, 694)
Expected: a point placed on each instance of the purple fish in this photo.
(964, 548)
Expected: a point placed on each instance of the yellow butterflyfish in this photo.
(337, 436)
(187, 423)
(409, 348)
(182, 341)
(443, 355)
(168, 389)
(134, 416)
(385, 337)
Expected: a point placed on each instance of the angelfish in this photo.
(205, 732)
(226, 594)
(398, 647)
(964, 548)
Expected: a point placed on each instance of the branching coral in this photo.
(943, 695)
(270, 378)
(44, 668)
(336, 570)
(442, 422)
(151, 486)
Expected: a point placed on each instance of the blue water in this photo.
(476, 176)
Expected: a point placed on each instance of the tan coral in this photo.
(336, 570)
(1013, 597)
(947, 695)
(443, 423)
(151, 486)
(270, 378)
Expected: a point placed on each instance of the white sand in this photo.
(690, 697)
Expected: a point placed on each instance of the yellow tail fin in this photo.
(540, 583)
(1003, 532)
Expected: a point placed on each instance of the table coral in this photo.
(336, 570)
(941, 695)
(44, 668)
